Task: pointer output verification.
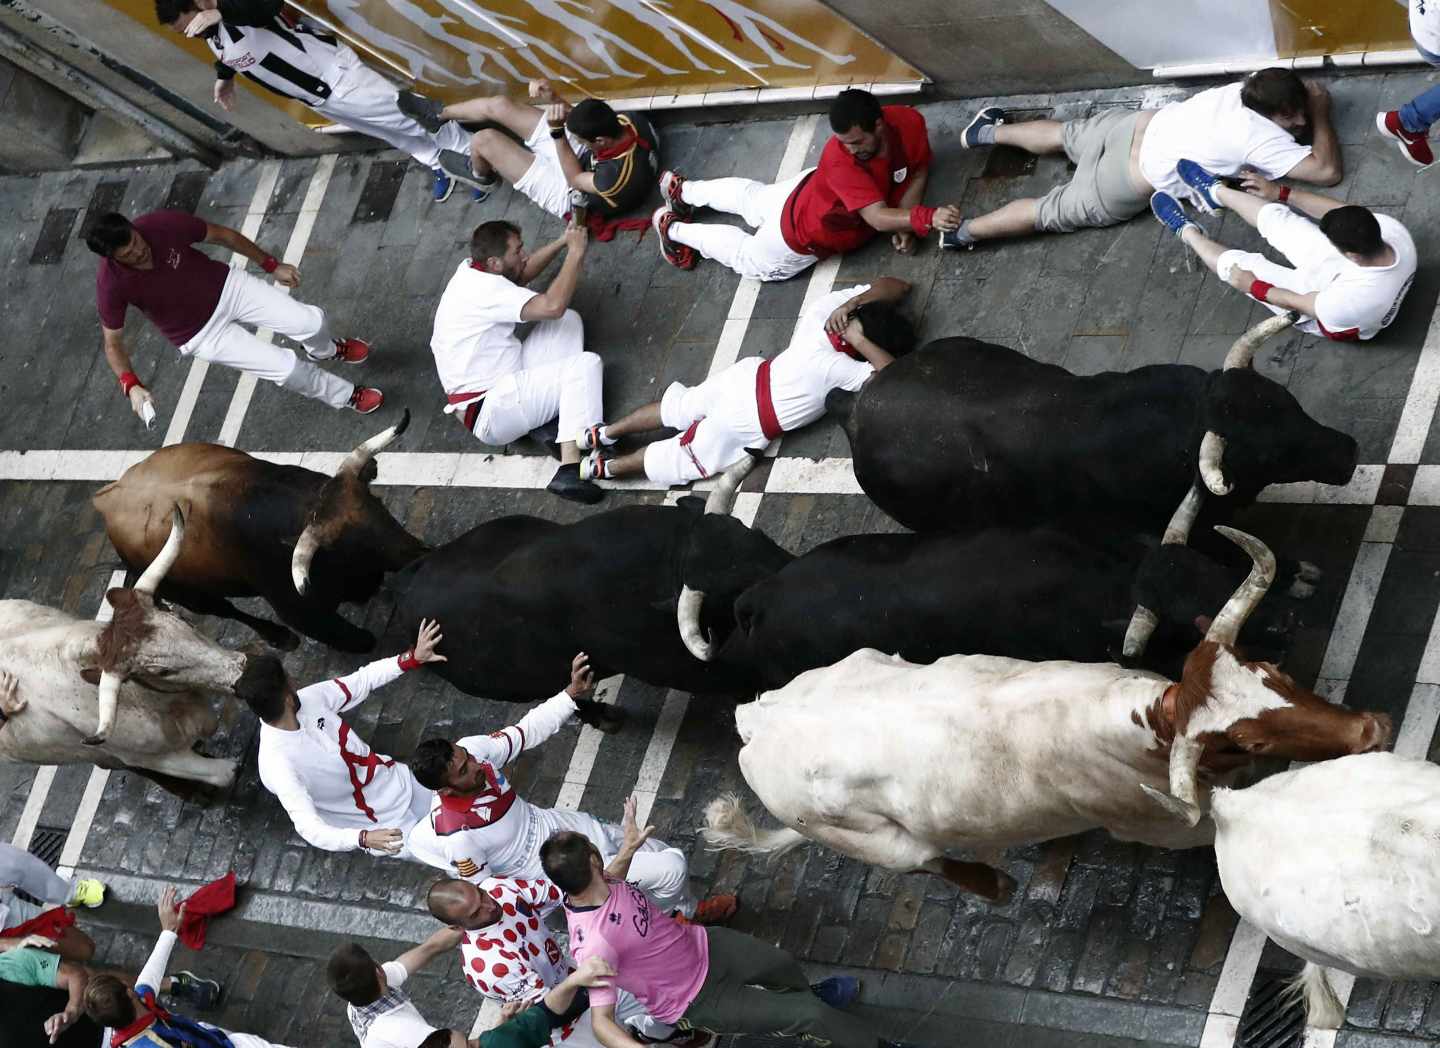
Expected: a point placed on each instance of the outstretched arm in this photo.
(635, 839)
(441, 942)
(72, 978)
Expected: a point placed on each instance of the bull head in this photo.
(1143, 621)
(336, 508)
(1234, 707)
(1241, 355)
(687, 611)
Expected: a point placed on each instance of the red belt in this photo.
(475, 401)
(769, 423)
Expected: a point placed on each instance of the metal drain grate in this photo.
(47, 844)
(1271, 1018)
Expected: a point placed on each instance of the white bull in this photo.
(1337, 863)
(895, 763)
(149, 665)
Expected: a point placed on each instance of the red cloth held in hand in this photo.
(51, 924)
(208, 901)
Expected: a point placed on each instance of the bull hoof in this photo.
(1301, 590)
(609, 719)
(286, 640)
(93, 740)
(1308, 572)
(1005, 886)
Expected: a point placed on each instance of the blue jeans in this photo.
(1424, 110)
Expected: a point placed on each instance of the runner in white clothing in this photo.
(843, 339)
(1350, 271)
(485, 829)
(341, 795)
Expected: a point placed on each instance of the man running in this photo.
(486, 830)
(610, 159)
(1121, 156)
(289, 58)
(1409, 126)
(339, 794)
(871, 179)
(1350, 268)
(502, 387)
(843, 339)
(199, 304)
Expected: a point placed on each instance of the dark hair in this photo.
(107, 1001)
(263, 686)
(431, 763)
(853, 108)
(566, 859)
(166, 11)
(1274, 92)
(351, 974)
(108, 234)
(491, 240)
(1353, 228)
(436, 1039)
(591, 118)
(887, 327)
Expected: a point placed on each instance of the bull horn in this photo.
(151, 578)
(1184, 771)
(109, 700)
(356, 460)
(722, 499)
(1138, 633)
(687, 613)
(1144, 621)
(1227, 625)
(1212, 450)
(305, 548)
(1243, 351)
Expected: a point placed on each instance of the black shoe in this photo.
(547, 436)
(424, 111)
(189, 988)
(567, 484)
(457, 166)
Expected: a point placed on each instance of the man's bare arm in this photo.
(1324, 166)
(541, 260)
(608, 1032)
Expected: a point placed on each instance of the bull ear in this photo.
(118, 597)
(90, 676)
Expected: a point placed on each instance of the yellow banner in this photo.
(1332, 27)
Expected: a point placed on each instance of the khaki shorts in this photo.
(1100, 193)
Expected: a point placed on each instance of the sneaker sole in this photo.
(201, 982)
(1399, 142)
(979, 117)
(683, 259)
(449, 190)
(683, 210)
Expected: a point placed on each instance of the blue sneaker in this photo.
(838, 991)
(444, 186)
(990, 116)
(1200, 180)
(1171, 215)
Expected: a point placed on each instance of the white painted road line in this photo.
(1419, 411)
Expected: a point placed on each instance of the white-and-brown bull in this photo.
(896, 764)
(122, 694)
(1339, 863)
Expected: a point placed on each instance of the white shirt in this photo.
(1425, 24)
(474, 337)
(810, 367)
(401, 1026)
(1358, 301)
(497, 833)
(316, 771)
(1213, 129)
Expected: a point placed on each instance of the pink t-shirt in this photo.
(660, 961)
(178, 293)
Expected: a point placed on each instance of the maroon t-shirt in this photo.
(178, 293)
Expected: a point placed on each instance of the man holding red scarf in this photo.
(871, 179)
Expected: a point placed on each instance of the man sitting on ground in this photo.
(487, 830)
(871, 179)
(499, 386)
(1350, 272)
(1121, 156)
(839, 343)
(610, 159)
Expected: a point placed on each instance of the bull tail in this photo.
(728, 827)
(1323, 1009)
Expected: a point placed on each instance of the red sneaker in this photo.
(681, 256)
(718, 909)
(1415, 145)
(352, 350)
(671, 185)
(366, 399)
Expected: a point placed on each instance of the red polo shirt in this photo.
(822, 216)
(178, 293)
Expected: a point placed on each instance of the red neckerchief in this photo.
(153, 1013)
(623, 144)
(841, 346)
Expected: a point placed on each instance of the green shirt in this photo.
(530, 1029)
(31, 967)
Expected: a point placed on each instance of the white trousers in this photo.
(728, 423)
(364, 101)
(248, 300)
(763, 255)
(557, 378)
(543, 182)
(1315, 259)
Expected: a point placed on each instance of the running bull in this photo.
(150, 667)
(519, 596)
(963, 434)
(301, 540)
(896, 764)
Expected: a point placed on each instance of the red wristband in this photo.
(922, 220)
(1284, 196)
(408, 662)
(128, 381)
(1259, 289)
(270, 264)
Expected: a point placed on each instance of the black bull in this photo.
(962, 435)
